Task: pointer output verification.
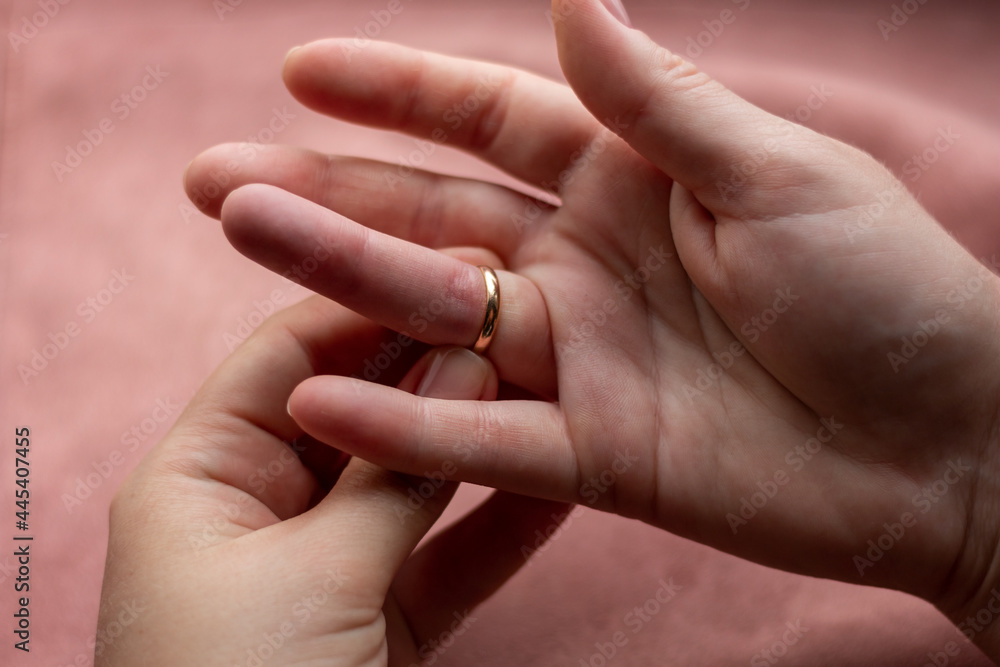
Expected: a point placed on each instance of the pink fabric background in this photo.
(123, 209)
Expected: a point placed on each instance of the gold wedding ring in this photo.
(492, 311)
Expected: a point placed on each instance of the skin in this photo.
(630, 403)
(213, 562)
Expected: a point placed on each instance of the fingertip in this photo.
(678, 117)
(306, 69)
(300, 401)
(290, 63)
(237, 207)
(298, 405)
(216, 172)
(578, 24)
(197, 181)
(457, 373)
(348, 414)
(244, 214)
(596, 53)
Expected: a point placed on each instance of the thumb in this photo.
(377, 517)
(689, 125)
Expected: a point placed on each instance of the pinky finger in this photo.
(463, 566)
(517, 446)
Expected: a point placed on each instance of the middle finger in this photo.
(426, 208)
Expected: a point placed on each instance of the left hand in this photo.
(667, 381)
(226, 543)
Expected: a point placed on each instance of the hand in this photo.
(734, 328)
(227, 546)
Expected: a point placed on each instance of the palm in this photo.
(652, 388)
(295, 557)
(722, 447)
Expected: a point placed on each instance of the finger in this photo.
(377, 517)
(517, 446)
(689, 125)
(475, 256)
(327, 463)
(464, 565)
(408, 288)
(235, 439)
(453, 373)
(524, 124)
(425, 208)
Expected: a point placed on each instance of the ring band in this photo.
(492, 311)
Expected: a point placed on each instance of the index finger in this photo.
(524, 124)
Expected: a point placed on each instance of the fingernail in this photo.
(617, 10)
(456, 373)
(291, 51)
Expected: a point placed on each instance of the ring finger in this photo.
(409, 288)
